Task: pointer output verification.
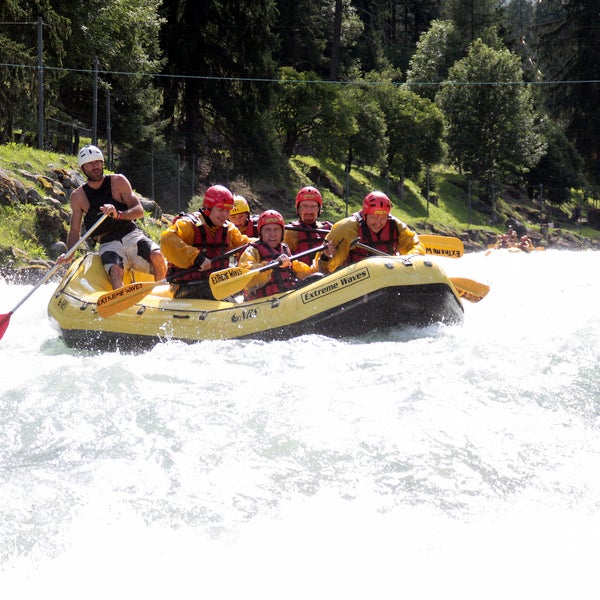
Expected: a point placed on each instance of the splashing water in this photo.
(446, 462)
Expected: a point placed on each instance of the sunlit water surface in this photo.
(447, 462)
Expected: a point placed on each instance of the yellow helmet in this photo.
(240, 205)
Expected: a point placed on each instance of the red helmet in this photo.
(309, 193)
(376, 203)
(219, 196)
(270, 217)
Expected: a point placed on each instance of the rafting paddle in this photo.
(228, 282)
(470, 290)
(307, 229)
(438, 245)
(5, 319)
(117, 300)
(442, 245)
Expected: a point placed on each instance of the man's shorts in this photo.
(130, 252)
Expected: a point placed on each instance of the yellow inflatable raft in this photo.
(377, 293)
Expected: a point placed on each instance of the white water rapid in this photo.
(444, 463)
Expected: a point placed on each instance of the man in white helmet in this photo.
(122, 243)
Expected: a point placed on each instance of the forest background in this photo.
(268, 95)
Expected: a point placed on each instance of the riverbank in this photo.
(34, 210)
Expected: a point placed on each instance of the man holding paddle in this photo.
(200, 239)
(375, 227)
(122, 243)
(268, 251)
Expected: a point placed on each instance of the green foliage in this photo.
(18, 229)
(566, 48)
(474, 18)
(309, 113)
(414, 128)
(437, 50)
(560, 168)
(493, 131)
(369, 144)
(225, 51)
(124, 36)
(199, 81)
(21, 156)
(18, 59)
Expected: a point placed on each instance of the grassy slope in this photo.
(451, 214)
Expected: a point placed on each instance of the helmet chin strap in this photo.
(206, 213)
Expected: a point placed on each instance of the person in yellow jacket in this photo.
(269, 248)
(241, 218)
(199, 239)
(307, 231)
(374, 226)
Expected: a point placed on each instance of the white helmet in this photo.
(89, 154)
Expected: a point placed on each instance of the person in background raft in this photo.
(303, 234)
(123, 244)
(375, 227)
(268, 248)
(240, 216)
(195, 239)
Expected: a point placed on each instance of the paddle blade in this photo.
(470, 290)
(122, 298)
(442, 245)
(229, 282)
(4, 321)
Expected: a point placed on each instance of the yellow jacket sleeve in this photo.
(176, 243)
(342, 234)
(290, 237)
(302, 270)
(408, 240)
(250, 259)
(236, 238)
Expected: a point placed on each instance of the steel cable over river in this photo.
(445, 462)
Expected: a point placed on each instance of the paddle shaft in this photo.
(231, 281)
(68, 255)
(5, 319)
(275, 263)
(470, 290)
(115, 301)
(174, 276)
(438, 245)
(307, 229)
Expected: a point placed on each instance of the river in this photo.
(446, 462)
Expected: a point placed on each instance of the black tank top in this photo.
(111, 229)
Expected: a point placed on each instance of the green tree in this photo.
(124, 37)
(391, 30)
(19, 59)
(307, 112)
(518, 18)
(437, 50)
(560, 168)
(567, 48)
(219, 67)
(317, 36)
(414, 128)
(367, 145)
(474, 18)
(492, 129)
(359, 137)
(518, 21)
